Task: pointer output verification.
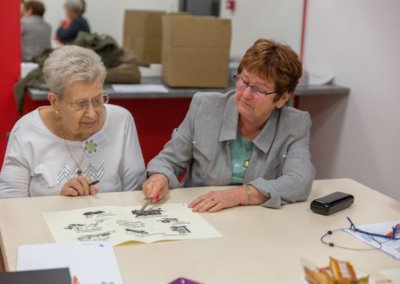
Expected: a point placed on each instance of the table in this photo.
(259, 245)
(305, 90)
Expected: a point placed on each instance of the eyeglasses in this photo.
(392, 235)
(83, 104)
(242, 84)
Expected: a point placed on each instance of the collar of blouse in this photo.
(230, 126)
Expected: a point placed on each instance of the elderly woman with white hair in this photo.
(78, 140)
(75, 22)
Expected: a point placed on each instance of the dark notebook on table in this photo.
(46, 276)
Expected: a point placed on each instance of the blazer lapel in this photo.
(267, 135)
(230, 121)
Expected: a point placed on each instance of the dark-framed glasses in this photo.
(83, 104)
(242, 84)
(394, 234)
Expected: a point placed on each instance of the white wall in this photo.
(106, 16)
(358, 137)
(275, 19)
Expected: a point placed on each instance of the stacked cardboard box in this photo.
(143, 35)
(195, 51)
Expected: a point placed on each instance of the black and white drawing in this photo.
(168, 220)
(91, 213)
(139, 233)
(96, 237)
(86, 228)
(149, 212)
(182, 230)
(118, 224)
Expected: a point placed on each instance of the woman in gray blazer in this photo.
(247, 138)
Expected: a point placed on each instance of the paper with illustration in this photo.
(117, 224)
(391, 247)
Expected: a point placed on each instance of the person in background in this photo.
(247, 138)
(77, 140)
(75, 22)
(21, 7)
(35, 32)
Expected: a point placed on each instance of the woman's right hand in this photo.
(78, 186)
(156, 187)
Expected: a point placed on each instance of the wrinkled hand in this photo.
(78, 186)
(217, 200)
(156, 187)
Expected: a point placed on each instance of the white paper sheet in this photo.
(391, 247)
(91, 262)
(117, 224)
(140, 88)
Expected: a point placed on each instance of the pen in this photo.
(143, 208)
(94, 182)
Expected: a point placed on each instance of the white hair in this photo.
(71, 63)
(75, 5)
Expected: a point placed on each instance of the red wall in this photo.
(9, 66)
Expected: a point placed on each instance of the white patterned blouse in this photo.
(38, 163)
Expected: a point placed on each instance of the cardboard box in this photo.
(143, 35)
(195, 51)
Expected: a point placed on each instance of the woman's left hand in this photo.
(217, 200)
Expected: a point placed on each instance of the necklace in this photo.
(79, 171)
(247, 152)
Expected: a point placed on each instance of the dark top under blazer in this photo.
(280, 164)
(79, 24)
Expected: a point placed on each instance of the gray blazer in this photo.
(35, 36)
(280, 165)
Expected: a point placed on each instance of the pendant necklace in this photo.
(79, 171)
(247, 156)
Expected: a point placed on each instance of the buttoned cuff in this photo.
(274, 201)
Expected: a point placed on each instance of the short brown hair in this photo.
(274, 61)
(37, 7)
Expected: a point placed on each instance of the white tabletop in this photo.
(259, 245)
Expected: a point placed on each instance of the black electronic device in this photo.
(332, 203)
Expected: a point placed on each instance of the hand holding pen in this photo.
(79, 186)
(156, 187)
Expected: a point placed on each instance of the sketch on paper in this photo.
(150, 212)
(86, 228)
(96, 237)
(169, 220)
(91, 213)
(116, 224)
(140, 233)
(182, 230)
(97, 214)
